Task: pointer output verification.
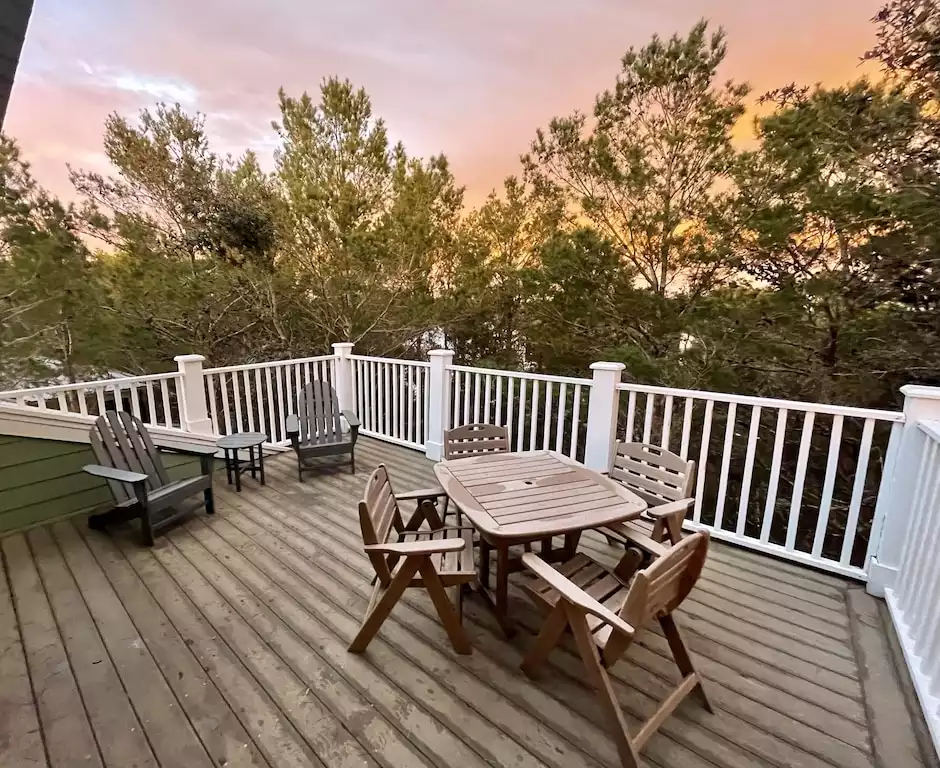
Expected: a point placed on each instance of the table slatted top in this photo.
(534, 493)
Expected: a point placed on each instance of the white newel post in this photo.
(194, 409)
(344, 376)
(895, 501)
(439, 405)
(602, 415)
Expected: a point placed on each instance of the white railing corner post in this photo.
(194, 408)
(603, 407)
(896, 499)
(439, 402)
(344, 375)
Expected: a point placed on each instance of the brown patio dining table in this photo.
(530, 496)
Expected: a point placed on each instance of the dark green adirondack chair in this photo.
(317, 428)
(142, 489)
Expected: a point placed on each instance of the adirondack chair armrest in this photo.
(112, 473)
(351, 419)
(292, 426)
(405, 548)
(670, 508)
(420, 494)
(574, 594)
(190, 448)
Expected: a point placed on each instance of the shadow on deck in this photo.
(226, 645)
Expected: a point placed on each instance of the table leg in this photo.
(237, 470)
(228, 466)
(261, 463)
(251, 462)
(484, 563)
(546, 549)
(571, 544)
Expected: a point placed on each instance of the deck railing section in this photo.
(258, 397)
(539, 411)
(154, 399)
(914, 597)
(391, 398)
(795, 479)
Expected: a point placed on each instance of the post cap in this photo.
(607, 366)
(921, 391)
(189, 358)
(343, 345)
(441, 353)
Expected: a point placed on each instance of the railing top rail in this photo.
(767, 402)
(522, 375)
(119, 381)
(268, 364)
(390, 360)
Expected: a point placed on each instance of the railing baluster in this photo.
(858, 491)
(396, 386)
(135, 401)
(466, 398)
(402, 414)
(63, 402)
(796, 500)
(380, 398)
(41, 402)
(487, 383)
(477, 386)
(165, 396)
(922, 565)
(770, 505)
(648, 420)
(522, 388)
(374, 412)
(575, 421)
(237, 397)
(631, 413)
(259, 395)
(210, 396)
(703, 459)
(498, 419)
(725, 464)
(686, 428)
(289, 376)
(825, 504)
(280, 426)
(81, 395)
(151, 405)
(99, 397)
(510, 391)
(272, 421)
(412, 433)
(560, 423)
(533, 425)
(249, 400)
(667, 423)
(748, 469)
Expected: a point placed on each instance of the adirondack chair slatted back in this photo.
(319, 413)
(378, 515)
(654, 474)
(473, 439)
(120, 440)
(661, 587)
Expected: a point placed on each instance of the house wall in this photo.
(42, 480)
(14, 18)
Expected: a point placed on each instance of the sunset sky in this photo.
(470, 79)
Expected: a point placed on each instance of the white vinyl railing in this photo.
(258, 397)
(391, 398)
(794, 479)
(914, 598)
(154, 399)
(539, 411)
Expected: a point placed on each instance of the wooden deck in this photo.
(226, 645)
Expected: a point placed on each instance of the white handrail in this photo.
(269, 364)
(117, 381)
(771, 402)
(522, 375)
(374, 359)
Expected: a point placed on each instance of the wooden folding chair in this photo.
(605, 609)
(433, 560)
(664, 481)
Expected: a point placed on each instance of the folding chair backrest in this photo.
(654, 474)
(472, 439)
(378, 515)
(120, 440)
(319, 413)
(661, 587)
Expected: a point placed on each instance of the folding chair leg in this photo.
(683, 660)
(547, 639)
(449, 617)
(598, 676)
(378, 612)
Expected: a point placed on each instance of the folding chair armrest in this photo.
(112, 473)
(351, 419)
(420, 494)
(670, 508)
(573, 593)
(418, 547)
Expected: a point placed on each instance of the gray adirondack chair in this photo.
(142, 489)
(317, 428)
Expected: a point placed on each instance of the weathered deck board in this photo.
(226, 645)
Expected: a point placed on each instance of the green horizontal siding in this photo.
(42, 480)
